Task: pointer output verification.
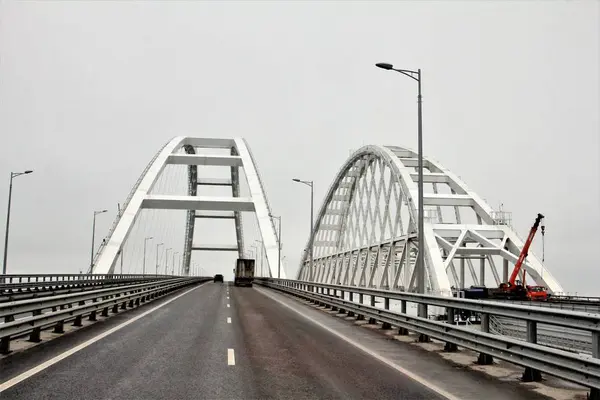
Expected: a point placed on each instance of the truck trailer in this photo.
(243, 272)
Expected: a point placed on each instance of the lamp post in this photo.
(144, 257)
(261, 255)
(12, 176)
(167, 261)
(278, 245)
(173, 266)
(416, 75)
(93, 237)
(312, 197)
(157, 246)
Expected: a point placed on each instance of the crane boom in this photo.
(525, 250)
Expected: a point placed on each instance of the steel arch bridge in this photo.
(365, 232)
(188, 151)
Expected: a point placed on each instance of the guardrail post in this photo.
(342, 311)
(594, 392)
(35, 334)
(402, 331)
(351, 298)
(450, 347)
(59, 327)
(372, 320)
(485, 359)
(386, 305)
(530, 374)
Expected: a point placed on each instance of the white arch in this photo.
(139, 198)
(446, 242)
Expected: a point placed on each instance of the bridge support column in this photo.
(450, 347)
(485, 359)
(402, 331)
(386, 304)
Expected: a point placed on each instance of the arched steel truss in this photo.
(365, 232)
(197, 206)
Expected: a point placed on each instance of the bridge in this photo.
(145, 324)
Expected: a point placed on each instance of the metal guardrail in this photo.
(536, 358)
(572, 340)
(20, 287)
(54, 311)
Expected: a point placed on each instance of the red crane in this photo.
(514, 288)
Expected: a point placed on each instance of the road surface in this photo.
(222, 342)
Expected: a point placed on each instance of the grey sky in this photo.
(89, 91)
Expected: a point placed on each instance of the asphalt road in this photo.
(196, 347)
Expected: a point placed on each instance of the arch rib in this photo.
(384, 261)
(139, 198)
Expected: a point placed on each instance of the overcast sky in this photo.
(90, 90)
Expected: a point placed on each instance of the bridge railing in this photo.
(31, 316)
(536, 358)
(20, 287)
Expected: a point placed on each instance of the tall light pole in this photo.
(12, 176)
(278, 245)
(416, 75)
(173, 266)
(93, 237)
(167, 261)
(157, 246)
(312, 197)
(261, 254)
(144, 258)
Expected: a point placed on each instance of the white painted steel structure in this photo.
(365, 232)
(197, 206)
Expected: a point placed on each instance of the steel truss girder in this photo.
(363, 212)
(256, 202)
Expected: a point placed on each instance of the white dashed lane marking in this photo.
(230, 357)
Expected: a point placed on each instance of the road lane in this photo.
(179, 351)
(290, 358)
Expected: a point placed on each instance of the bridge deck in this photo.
(181, 350)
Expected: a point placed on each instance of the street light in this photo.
(12, 176)
(157, 246)
(261, 255)
(173, 266)
(93, 237)
(416, 75)
(278, 245)
(167, 261)
(312, 196)
(144, 258)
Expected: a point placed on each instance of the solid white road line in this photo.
(28, 374)
(230, 357)
(228, 320)
(384, 360)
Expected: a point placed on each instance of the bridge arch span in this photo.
(365, 233)
(183, 150)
